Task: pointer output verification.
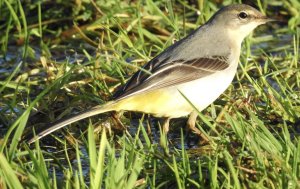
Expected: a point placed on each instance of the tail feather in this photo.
(88, 113)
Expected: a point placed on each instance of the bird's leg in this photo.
(119, 126)
(149, 124)
(163, 136)
(191, 123)
(165, 126)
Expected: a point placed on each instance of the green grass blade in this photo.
(9, 174)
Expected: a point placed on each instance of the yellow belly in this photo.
(161, 103)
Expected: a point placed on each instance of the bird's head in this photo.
(239, 19)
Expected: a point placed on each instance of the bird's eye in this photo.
(243, 15)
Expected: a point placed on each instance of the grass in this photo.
(59, 58)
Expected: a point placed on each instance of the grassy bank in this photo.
(58, 58)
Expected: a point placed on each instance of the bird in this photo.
(187, 76)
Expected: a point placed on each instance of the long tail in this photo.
(110, 106)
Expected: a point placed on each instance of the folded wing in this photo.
(167, 73)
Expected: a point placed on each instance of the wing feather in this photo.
(170, 73)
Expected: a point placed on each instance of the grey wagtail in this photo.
(199, 68)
